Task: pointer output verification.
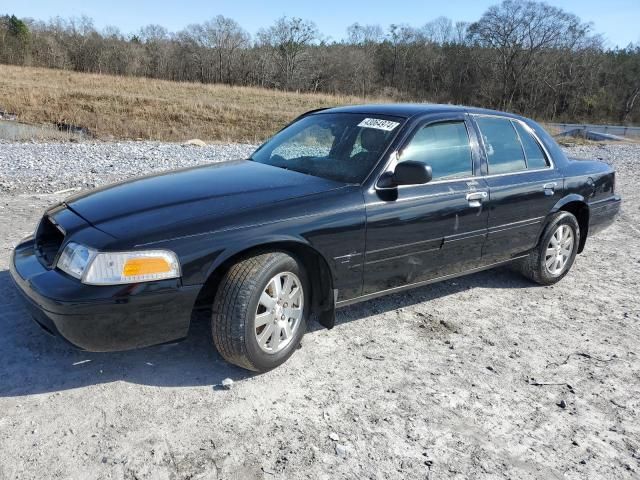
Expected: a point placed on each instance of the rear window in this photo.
(502, 145)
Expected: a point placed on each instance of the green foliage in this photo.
(14, 40)
(18, 28)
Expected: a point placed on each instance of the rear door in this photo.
(421, 232)
(523, 186)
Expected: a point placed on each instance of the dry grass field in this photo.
(132, 108)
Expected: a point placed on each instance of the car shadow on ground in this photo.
(33, 362)
(497, 278)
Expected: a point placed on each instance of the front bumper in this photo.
(102, 318)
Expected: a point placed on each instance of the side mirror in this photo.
(410, 172)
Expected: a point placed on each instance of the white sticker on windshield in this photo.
(386, 125)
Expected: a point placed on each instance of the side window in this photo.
(443, 146)
(533, 151)
(502, 145)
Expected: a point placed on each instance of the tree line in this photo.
(527, 57)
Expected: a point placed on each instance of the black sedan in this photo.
(343, 205)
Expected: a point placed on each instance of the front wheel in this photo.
(554, 255)
(260, 311)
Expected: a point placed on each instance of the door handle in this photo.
(475, 198)
(549, 188)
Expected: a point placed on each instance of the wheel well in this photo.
(315, 265)
(581, 211)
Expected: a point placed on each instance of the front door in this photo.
(417, 233)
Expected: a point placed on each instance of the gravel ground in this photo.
(485, 376)
(51, 167)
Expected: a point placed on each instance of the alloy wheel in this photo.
(279, 312)
(559, 250)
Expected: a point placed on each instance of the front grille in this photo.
(49, 238)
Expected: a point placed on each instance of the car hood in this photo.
(150, 203)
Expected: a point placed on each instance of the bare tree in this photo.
(289, 39)
(519, 32)
(155, 39)
(366, 39)
(439, 31)
(223, 38)
(460, 33)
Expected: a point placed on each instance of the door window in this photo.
(444, 147)
(532, 149)
(501, 143)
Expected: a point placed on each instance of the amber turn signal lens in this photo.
(145, 266)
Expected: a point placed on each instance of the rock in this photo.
(227, 384)
(195, 141)
(334, 436)
(562, 404)
(342, 450)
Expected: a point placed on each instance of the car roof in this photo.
(407, 110)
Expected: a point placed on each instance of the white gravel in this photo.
(51, 167)
(485, 376)
(625, 157)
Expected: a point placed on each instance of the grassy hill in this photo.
(132, 108)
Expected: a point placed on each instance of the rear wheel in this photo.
(554, 255)
(260, 311)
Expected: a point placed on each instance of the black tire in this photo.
(235, 305)
(534, 268)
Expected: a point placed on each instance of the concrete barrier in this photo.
(618, 130)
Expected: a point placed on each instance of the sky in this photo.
(617, 20)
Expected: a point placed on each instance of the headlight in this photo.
(75, 258)
(114, 268)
